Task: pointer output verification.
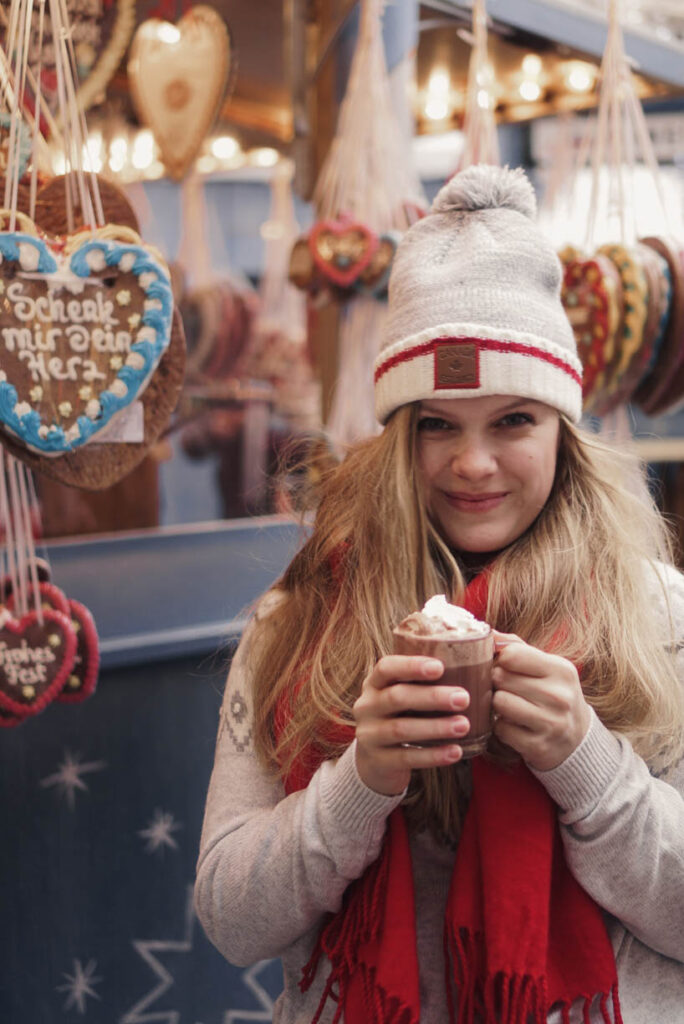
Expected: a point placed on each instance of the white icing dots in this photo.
(95, 259)
(152, 304)
(3, 376)
(64, 408)
(116, 362)
(123, 297)
(21, 408)
(146, 334)
(126, 262)
(92, 409)
(135, 360)
(118, 388)
(43, 431)
(36, 393)
(85, 392)
(147, 279)
(29, 256)
(134, 320)
(73, 433)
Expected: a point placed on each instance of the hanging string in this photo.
(621, 136)
(7, 521)
(20, 589)
(24, 475)
(36, 120)
(481, 144)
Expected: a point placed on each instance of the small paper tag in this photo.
(457, 365)
(126, 427)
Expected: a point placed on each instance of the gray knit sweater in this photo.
(271, 865)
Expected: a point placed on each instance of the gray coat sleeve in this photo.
(270, 865)
(623, 829)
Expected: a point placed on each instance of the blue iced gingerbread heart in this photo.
(82, 329)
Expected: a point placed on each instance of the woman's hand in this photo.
(400, 684)
(538, 703)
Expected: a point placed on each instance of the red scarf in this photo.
(520, 933)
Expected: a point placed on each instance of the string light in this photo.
(265, 157)
(225, 147)
(529, 90)
(579, 76)
(118, 153)
(438, 103)
(143, 149)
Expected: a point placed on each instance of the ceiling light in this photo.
(532, 65)
(436, 108)
(225, 147)
(265, 157)
(579, 77)
(529, 90)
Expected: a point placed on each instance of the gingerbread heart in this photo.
(342, 249)
(95, 467)
(634, 314)
(663, 382)
(35, 660)
(591, 297)
(81, 333)
(178, 74)
(659, 291)
(82, 679)
(374, 279)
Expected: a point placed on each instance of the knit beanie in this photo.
(474, 302)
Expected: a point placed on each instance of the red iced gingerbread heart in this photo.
(342, 249)
(82, 679)
(35, 660)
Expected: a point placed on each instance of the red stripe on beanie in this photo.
(486, 344)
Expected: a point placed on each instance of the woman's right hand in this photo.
(399, 684)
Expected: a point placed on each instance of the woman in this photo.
(543, 882)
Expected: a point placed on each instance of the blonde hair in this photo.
(582, 572)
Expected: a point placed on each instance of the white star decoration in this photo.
(147, 1009)
(158, 832)
(80, 985)
(68, 776)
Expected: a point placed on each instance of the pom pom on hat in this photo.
(482, 187)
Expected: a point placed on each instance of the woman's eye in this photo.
(433, 423)
(515, 419)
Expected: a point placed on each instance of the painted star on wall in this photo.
(158, 832)
(68, 779)
(80, 985)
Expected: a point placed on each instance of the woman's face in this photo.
(487, 467)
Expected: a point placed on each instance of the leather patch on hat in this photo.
(457, 364)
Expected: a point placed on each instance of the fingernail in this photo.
(459, 699)
(432, 667)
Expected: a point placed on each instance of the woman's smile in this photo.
(476, 503)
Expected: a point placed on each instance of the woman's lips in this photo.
(475, 502)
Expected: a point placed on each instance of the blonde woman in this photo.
(398, 882)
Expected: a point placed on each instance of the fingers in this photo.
(394, 759)
(393, 732)
(394, 667)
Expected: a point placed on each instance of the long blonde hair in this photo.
(581, 572)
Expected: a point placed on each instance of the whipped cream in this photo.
(452, 618)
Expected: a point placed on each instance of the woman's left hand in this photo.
(538, 703)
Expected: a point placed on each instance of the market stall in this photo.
(201, 208)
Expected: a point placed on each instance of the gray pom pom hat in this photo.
(474, 302)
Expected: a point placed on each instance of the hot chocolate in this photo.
(466, 647)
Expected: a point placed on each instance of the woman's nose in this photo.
(473, 460)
